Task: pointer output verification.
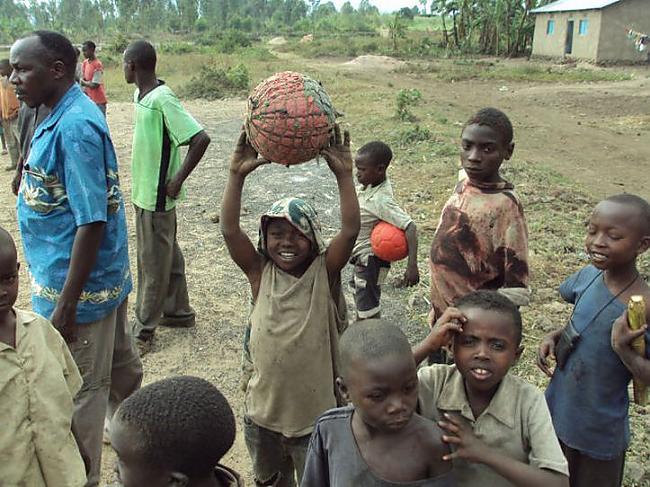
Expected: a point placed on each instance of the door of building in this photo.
(568, 46)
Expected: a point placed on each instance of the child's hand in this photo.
(545, 350)
(459, 434)
(450, 323)
(623, 336)
(337, 154)
(244, 159)
(410, 278)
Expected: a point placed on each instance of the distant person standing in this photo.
(9, 106)
(157, 175)
(92, 73)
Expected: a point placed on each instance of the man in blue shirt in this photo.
(73, 226)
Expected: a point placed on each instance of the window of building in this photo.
(582, 27)
(550, 27)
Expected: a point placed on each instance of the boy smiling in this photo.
(498, 425)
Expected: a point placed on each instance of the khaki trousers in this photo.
(111, 370)
(11, 134)
(162, 296)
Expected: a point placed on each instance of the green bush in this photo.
(413, 135)
(119, 44)
(176, 48)
(214, 82)
(406, 99)
(232, 40)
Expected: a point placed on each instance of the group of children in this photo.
(332, 404)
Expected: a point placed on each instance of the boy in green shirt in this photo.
(161, 126)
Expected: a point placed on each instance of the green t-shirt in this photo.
(161, 126)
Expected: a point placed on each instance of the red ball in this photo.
(290, 118)
(389, 242)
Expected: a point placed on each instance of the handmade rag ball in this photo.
(289, 118)
(388, 242)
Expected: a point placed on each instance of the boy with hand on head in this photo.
(376, 203)
(379, 440)
(298, 312)
(498, 425)
(482, 239)
(174, 432)
(38, 380)
(588, 392)
(161, 126)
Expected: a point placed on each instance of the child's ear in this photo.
(509, 151)
(343, 389)
(177, 479)
(518, 353)
(17, 266)
(644, 244)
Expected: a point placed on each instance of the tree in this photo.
(396, 30)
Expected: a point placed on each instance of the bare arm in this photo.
(546, 349)
(15, 182)
(84, 254)
(198, 144)
(243, 162)
(411, 274)
(471, 449)
(622, 338)
(339, 159)
(450, 323)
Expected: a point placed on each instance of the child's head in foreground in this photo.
(618, 231)
(378, 374)
(290, 235)
(172, 433)
(490, 342)
(371, 163)
(8, 272)
(486, 141)
(139, 56)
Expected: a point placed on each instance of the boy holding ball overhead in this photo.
(376, 203)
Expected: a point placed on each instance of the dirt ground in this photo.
(598, 135)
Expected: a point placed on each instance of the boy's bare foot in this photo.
(144, 346)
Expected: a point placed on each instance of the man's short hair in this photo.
(495, 119)
(493, 301)
(59, 48)
(377, 152)
(142, 53)
(183, 423)
(90, 45)
(370, 340)
(637, 202)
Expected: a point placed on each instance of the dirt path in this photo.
(587, 132)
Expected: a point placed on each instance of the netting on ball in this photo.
(388, 242)
(289, 118)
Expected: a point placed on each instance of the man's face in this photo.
(129, 69)
(34, 74)
(87, 52)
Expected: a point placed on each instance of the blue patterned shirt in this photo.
(69, 180)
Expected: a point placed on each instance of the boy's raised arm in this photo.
(244, 160)
(450, 323)
(339, 159)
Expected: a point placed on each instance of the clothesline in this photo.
(641, 40)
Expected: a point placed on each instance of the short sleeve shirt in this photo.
(161, 126)
(588, 398)
(376, 203)
(69, 180)
(334, 459)
(38, 381)
(93, 71)
(516, 422)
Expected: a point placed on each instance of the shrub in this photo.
(413, 135)
(214, 82)
(406, 99)
(232, 40)
(119, 44)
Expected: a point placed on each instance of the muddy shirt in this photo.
(294, 349)
(481, 243)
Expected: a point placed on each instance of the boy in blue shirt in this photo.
(588, 396)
